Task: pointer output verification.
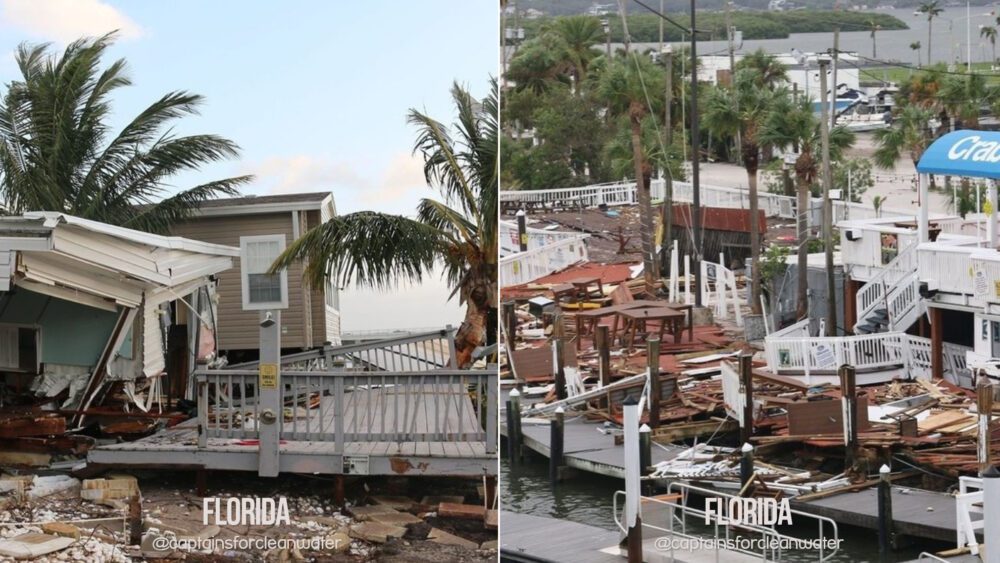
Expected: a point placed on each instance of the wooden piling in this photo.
(884, 514)
(645, 453)
(556, 427)
(603, 359)
(984, 406)
(746, 382)
(135, 519)
(849, 411)
(339, 496)
(746, 469)
(514, 426)
(633, 495)
(522, 231)
(560, 367)
(655, 385)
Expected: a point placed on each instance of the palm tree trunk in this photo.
(930, 24)
(480, 295)
(802, 309)
(645, 204)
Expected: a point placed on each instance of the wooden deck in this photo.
(586, 448)
(387, 432)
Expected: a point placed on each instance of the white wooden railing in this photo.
(868, 352)
(718, 286)
(536, 237)
(542, 261)
(872, 295)
(969, 504)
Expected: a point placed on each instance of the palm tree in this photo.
(769, 72)
(931, 10)
(963, 96)
(793, 123)
(580, 33)
(915, 46)
(623, 86)
(990, 32)
(909, 133)
(58, 152)
(368, 248)
(742, 109)
(873, 28)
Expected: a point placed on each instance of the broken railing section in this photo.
(424, 351)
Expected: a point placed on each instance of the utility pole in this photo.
(668, 179)
(831, 298)
(695, 142)
(833, 95)
(732, 76)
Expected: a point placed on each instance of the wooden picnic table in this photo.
(583, 287)
(635, 319)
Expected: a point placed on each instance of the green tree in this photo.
(915, 47)
(741, 110)
(931, 10)
(374, 249)
(909, 133)
(580, 34)
(768, 72)
(58, 152)
(792, 124)
(963, 96)
(989, 32)
(626, 86)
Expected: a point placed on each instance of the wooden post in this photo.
(201, 482)
(339, 497)
(645, 450)
(510, 324)
(984, 406)
(937, 343)
(556, 446)
(849, 402)
(491, 491)
(522, 231)
(603, 360)
(746, 469)
(633, 522)
(655, 385)
(746, 382)
(851, 303)
(514, 426)
(884, 514)
(560, 371)
(135, 519)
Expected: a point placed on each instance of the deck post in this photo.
(991, 213)
(884, 513)
(522, 231)
(633, 520)
(556, 445)
(338, 490)
(135, 519)
(937, 343)
(645, 449)
(746, 382)
(603, 359)
(991, 515)
(514, 426)
(202, 414)
(510, 324)
(655, 385)
(746, 469)
(492, 413)
(922, 223)
(560, 365)
(269, 387)
(984, 406)
(849, 403)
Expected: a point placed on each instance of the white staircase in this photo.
(890, 301)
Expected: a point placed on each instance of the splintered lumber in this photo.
(854, 487)
(21, 426)
(677, 432)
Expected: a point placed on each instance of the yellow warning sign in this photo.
(268, 376)
(988, 207)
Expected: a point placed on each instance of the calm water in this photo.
(948, 38)
(587, 499)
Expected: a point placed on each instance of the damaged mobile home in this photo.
(86, 306)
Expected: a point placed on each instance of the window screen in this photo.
(261, 289)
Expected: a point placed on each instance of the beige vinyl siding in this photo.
(326, 324)
(239, 329)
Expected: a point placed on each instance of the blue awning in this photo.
(973, 154)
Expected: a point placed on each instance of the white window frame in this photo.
(245, 275)
(38, 348)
